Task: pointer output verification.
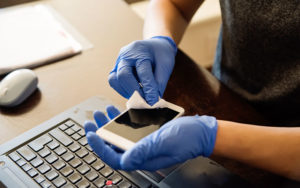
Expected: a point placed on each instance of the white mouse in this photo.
(17, 86)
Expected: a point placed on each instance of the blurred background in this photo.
(200, 39)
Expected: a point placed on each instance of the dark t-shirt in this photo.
(258, 55)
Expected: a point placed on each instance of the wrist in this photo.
(209, 127)
(169, 39)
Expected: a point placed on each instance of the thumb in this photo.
(106, 153)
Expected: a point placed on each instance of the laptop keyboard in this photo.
(63, 158)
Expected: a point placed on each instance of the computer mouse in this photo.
(17, 86)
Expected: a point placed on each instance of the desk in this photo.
(109, 25)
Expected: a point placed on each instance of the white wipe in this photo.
(137, 102)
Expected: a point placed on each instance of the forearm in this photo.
(169, 18)
(271, 148)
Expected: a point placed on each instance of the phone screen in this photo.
(138, 123)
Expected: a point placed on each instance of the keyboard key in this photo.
(51, 175)
(67, 156)
(60, 150)
(44, 152)
(14, 156)
(83, 184)
(75, 163)
(51, 158)
(39, 179)
(45, 184)
(100, 182)
(59, 164)
(61, 137)
(98, 165)
(76, 128)
(69, 186)
(76, 136)
(125, 184)
(52, 145)
(83, 169)
(39, 143)
(59, 182)
(106, 171)
(81, 132)
(116, 178)
(36, 162)
(63, 127)
(89, 148)
(69, 123)
(92, 175)
(66, 171)
(26, 153)
(90, 159)
(82, 153)
(21, 162)
(44, 168)
(69, 131)
(74, 178)
(26, 167)
(83, 141)
(74, 147)
(32, 173)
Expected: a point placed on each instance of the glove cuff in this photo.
(211, 126)
(169, 39)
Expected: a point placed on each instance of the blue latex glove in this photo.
(149, 62)
(175, 142)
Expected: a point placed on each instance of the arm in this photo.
(275, 149)
(169, 18)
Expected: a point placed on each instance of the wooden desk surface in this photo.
(109, 25)
(66, 83)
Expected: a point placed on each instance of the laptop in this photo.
(56, 154)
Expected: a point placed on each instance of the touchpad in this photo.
(203, 172)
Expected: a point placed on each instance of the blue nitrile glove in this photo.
(175, 142)
(149, 62)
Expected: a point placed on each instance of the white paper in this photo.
(31, 36)
(137, 102)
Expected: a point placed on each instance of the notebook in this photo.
(31, 36)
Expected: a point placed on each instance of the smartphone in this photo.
(134, 124)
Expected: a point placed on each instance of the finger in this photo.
(107, 154)
(114, 83)
(100, 118)
(112, 111)
(127, 79)
(118, 150)
(146, 77)
(162, 75)
(90, 127)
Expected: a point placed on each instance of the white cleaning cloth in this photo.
(137, 102)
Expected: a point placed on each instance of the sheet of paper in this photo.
(31, 36)
(138, 102)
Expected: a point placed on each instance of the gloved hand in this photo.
(175, 142)
(149, 62)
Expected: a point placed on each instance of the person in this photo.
(257, 57)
